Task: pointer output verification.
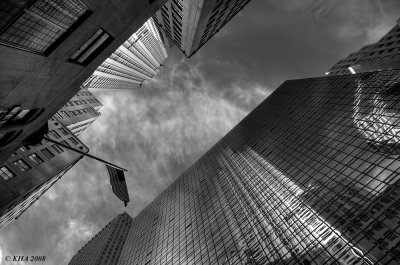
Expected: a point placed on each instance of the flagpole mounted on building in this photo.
(83, 153)
(116, 173)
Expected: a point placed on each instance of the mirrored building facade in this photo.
(311, 176)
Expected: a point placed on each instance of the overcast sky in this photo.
(157, 131)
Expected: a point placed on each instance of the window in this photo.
(39, 26)
(23, 149)
(64, 131)
(65, 142)
(6, 173)
(91, 48)
(46, 152)
(73, 141)
(54, 134)
(22, 165)
(58, 115)
(57, 148)
(36, 159)
(8, 114)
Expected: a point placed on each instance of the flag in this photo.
(118, 184)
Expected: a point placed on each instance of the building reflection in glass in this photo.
(377, 119)
(295, 182)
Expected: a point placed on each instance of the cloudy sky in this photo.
(157, 131)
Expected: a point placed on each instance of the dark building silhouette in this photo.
(295, 182)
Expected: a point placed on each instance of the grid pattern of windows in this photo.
(373, 56)
(137, 60)
(22, 203)
(174, 17)
(171, 16)
(101, 82)
(306, 178)
(222, 13)
(106, 246)
(35, 25)
(6, 173)
(22, 165)
(79, 112)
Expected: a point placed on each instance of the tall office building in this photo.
(80, 111)
(382, 55)
(105, 247)
(48, 49)
(32, 170)
(310, 176)
(137, 60)
(190, 24)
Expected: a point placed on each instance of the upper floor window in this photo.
(22, 165)
(57, 148)
(36, 159)
(23, 149)
(40, 25)
(64, 131)
(46, 152)
(73, 141)
(91, 48)
(54, 134)
(16, 115)
(6, 173)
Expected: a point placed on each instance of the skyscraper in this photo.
(106, 246)
(32, 170)
(48, 49)
(382, 55)
(80, 111)
(310, 176)
(137, 60)
(190, 24)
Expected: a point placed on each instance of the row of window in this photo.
(82, 93)
(8, 174)
(73, 112)
(39, 25)
(81, 102)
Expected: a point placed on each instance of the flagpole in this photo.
(83, 153)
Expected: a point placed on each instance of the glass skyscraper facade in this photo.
(311, 176)
(383, 54)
